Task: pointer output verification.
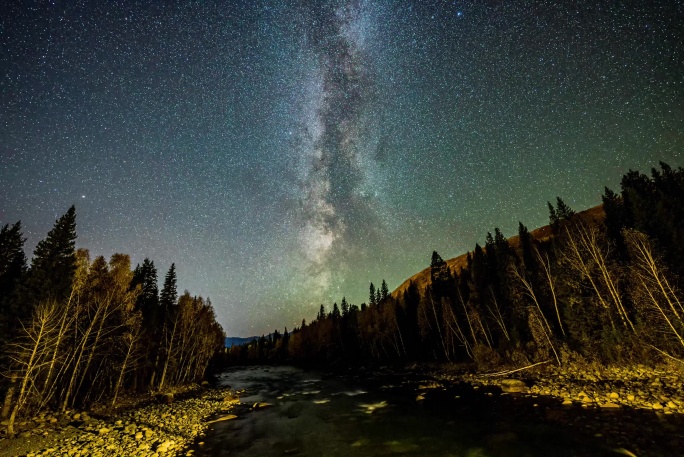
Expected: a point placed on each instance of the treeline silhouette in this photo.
(74, 330)
(596, 288)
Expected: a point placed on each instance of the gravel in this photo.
(153, 430)
(639, 387)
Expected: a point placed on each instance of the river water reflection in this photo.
(313, 414)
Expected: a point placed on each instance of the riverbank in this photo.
(636, 410)
(161, 426)
(659, 388)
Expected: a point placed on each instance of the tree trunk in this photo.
(7, 404)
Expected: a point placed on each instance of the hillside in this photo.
(237, 341)
(422, 278)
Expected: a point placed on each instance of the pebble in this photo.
(144, 433)
(641, 387)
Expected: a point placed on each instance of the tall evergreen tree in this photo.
(372, 301)
(148, 300)
(53, 264)
(526, 247)
(384, 291)
(553, 217)
(12, 270)
(563, 211)
(441, 280)
(169, 293)
(344, 306)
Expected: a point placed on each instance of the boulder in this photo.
(610, 405)
(231, 398)
(512, 385)
(164, 447)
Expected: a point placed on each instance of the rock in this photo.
(138, 436)
(630, 397)
(420, 397)
(614, 395)
(610, 405)
(512, 385)
(261, 404)
(76, 416)
(657, 405)
(103, 431)
(223, 418)
(567, 402)
(165, 446)
(231, 398)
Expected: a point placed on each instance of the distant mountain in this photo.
(236, 340)
(422, 278)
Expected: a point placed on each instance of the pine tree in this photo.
(440, 277)
(169, 293)
(371, 295)
(12, 270)
(53, 265)
(148, 300)
(344, 306)
(321, 314)
(563, 211)
(553, 218)
(336, 311)
(527, 248)
(384, 291)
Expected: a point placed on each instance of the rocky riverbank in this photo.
(655, 388)
(163, 427)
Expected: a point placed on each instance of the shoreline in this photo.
(147, 427)
(153, 427)
(660, 388)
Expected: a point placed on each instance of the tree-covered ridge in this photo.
(597, 288)
(76, 330)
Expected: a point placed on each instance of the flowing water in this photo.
(313, 414)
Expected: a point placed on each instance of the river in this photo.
(315, 414)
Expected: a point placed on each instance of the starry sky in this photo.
(286, 153)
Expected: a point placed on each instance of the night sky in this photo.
(286, 153)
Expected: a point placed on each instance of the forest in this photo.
(76, 330)
(600, 286)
